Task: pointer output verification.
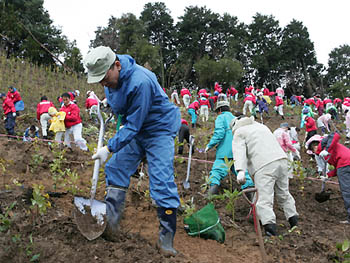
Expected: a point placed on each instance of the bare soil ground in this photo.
(56, 238)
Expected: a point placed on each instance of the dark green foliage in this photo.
(17, 18)
(339, 71)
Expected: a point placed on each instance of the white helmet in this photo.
(77, 92)
(221, 104)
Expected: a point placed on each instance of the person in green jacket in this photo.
(223, 139)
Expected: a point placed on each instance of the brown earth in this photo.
(56, 238)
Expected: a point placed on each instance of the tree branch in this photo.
(45, 48)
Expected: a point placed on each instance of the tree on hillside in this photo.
(126, 35)
(107, 36)
(263, 51)
(225, 71)
(73, 58)
(338, 75)
(159, 30)
(297, 58)
(194, 32)
(20, 19)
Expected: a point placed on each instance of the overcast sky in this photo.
(327, 21)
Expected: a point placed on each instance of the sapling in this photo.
(343, 254)
(300, 172)
(56, 165)
(188, 206)
(37, 157)
(229, 195)
(70, 180)
(5, 221)
(40, 200)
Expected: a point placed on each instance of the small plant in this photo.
(229, 195)
(40, 201)
(37, 157)
(188, 206)
(231, 198)
(206, 185)
(71, 181)
(56, 165)
(301, 173)
(5, 221)
(343, 254)
(27, 248)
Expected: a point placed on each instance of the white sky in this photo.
(327, 21)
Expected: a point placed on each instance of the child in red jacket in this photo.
(337, 155)
(72, 122)
(10, 113)
(311, 128)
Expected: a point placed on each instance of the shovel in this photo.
(256, 220)
(186, 183)
(323, 196)
(90, 214)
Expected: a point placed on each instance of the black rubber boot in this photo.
(270, 230)
(115, 203)
(167, 229)
(193, 125)
(213, 189)
(293, 221)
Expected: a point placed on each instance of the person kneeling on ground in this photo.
(223, 139)
(255, 148)
(337, 155)
(31, 133)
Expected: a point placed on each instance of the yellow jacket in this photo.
(57, 122)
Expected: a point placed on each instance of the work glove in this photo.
(14, 114)
(241, 177)
(324, 178)
(206, 149)
(297, 155)
(101, 154)
(324, 154)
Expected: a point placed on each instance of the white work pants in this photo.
(248, 104)
(44, 119)
(204, 112)
(186, 99)
(76, 130)
(270, 180)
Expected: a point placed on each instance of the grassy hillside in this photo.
(34, 81)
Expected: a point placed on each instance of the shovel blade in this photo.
(322, 197)
(186, 184)
(90, 218)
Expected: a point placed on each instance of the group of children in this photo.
(250, 160)
(67, 121)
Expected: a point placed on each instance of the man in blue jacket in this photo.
(223, 139)
(150, 126)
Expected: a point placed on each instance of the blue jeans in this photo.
(159, 151)
(10, 123)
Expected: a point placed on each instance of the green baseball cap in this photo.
(98, 61)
